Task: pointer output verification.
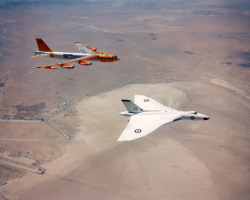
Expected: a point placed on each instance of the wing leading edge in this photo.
(142, 125)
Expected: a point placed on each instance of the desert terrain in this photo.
(186, 55)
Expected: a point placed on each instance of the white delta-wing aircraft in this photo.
(146, 115)
(86, 54)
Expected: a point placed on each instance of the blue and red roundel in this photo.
(137, 130)
(192, 118)
(146, 100)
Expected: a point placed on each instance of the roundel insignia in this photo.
(137, 130)
(192, 117)
(146, 100)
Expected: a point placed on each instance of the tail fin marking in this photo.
(42, 46)
(131, 107)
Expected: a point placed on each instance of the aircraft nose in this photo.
(206, 118)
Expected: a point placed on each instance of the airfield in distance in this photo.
(186, 55)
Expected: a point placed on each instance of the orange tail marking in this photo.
(42, 46)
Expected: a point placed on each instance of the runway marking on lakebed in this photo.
(21, 163)
(144, 175)
(36, 121)
(20, 120)
(41, 140)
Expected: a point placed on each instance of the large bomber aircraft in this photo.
(87, 54)
(146, 115)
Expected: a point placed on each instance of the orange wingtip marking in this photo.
(33, 56)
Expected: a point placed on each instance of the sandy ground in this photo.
(182, 160)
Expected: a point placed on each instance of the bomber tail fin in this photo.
(42, 46)
(131, 107)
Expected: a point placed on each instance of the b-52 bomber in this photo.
(146, 115)
(86, 54)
